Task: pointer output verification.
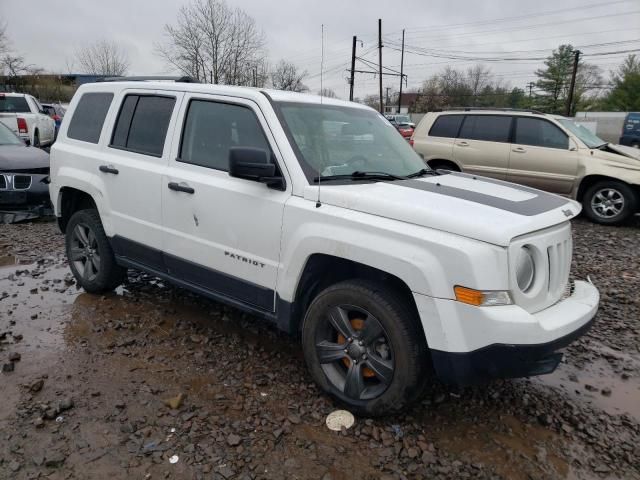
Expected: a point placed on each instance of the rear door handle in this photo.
(181, 187)
(108, 169)
(462, 144)
(519, 150)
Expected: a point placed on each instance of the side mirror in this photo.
(254, 164)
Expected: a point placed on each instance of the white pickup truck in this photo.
(24, 115)
(314, 214)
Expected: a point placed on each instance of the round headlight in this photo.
(525, 269)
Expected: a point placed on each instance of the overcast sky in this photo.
(47, 32)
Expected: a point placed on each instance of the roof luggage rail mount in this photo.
(490, 109)
(182, 79)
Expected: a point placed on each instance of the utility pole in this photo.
(530, 85)
(576, 59)
(380, 61)
(387, 96)
(401, 73)
(353, 67)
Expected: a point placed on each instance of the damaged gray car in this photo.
(24, 179)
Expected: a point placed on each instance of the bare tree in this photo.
(285, 76)
(13, 65)
(327, 92)
(4, 39)
(478, 78)
(213, 42)
(103, 58)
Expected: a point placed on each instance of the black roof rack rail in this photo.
(494, 109)
(183, 79)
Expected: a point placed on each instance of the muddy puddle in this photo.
(598, 385)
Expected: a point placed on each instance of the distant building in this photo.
(406, 103)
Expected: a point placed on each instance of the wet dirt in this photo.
(250, 409)
(599, 386)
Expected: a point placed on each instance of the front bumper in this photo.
(475, 344)
(36, 194)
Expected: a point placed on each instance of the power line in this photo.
(431, 28)
(540, 50)
(529, 27)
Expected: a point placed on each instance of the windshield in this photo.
(587, 137)
(7, 137)
(403, 119)
(332, 140)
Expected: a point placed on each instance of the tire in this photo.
(443, 165)
(36, 139)
(393, 369)
(85, 242)
(609, 202)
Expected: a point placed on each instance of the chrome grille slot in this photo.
(21, 182)
(3, 182)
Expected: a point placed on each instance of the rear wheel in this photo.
(90, 255)
(609, 202)
(364, 346)
(36, 139)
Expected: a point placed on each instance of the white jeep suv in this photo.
(314, 214)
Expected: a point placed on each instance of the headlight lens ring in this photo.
(525, 269)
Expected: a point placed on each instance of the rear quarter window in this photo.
(88, 118)
(446, 126)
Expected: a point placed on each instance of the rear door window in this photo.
(490, 128)
(142, 124)
(539, 133)
(88, 118)
(14, 105)
(212, 128)
(446, 126)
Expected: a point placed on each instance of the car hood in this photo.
(618, 156)
(19, 157)
(626, 151)
(484, 209)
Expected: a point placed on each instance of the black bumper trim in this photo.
(502, 360)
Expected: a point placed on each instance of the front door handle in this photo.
(462, 144)
(108, 169)
(519, 150)
(181, 187)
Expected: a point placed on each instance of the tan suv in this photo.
(548, 152)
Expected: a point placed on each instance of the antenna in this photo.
(318, 204)
(321, 62)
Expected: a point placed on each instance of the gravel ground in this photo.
(123, 385)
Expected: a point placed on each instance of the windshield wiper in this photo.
(422, 173)
(358, 175)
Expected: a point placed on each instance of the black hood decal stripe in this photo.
(540, 203)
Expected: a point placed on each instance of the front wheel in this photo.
(90, 256)
(365, 347)
(609, 202)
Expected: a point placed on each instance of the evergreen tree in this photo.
(625, 95)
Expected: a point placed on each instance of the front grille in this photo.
(3, 182)
(553, 250)
(559, 257)
(21, 182)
